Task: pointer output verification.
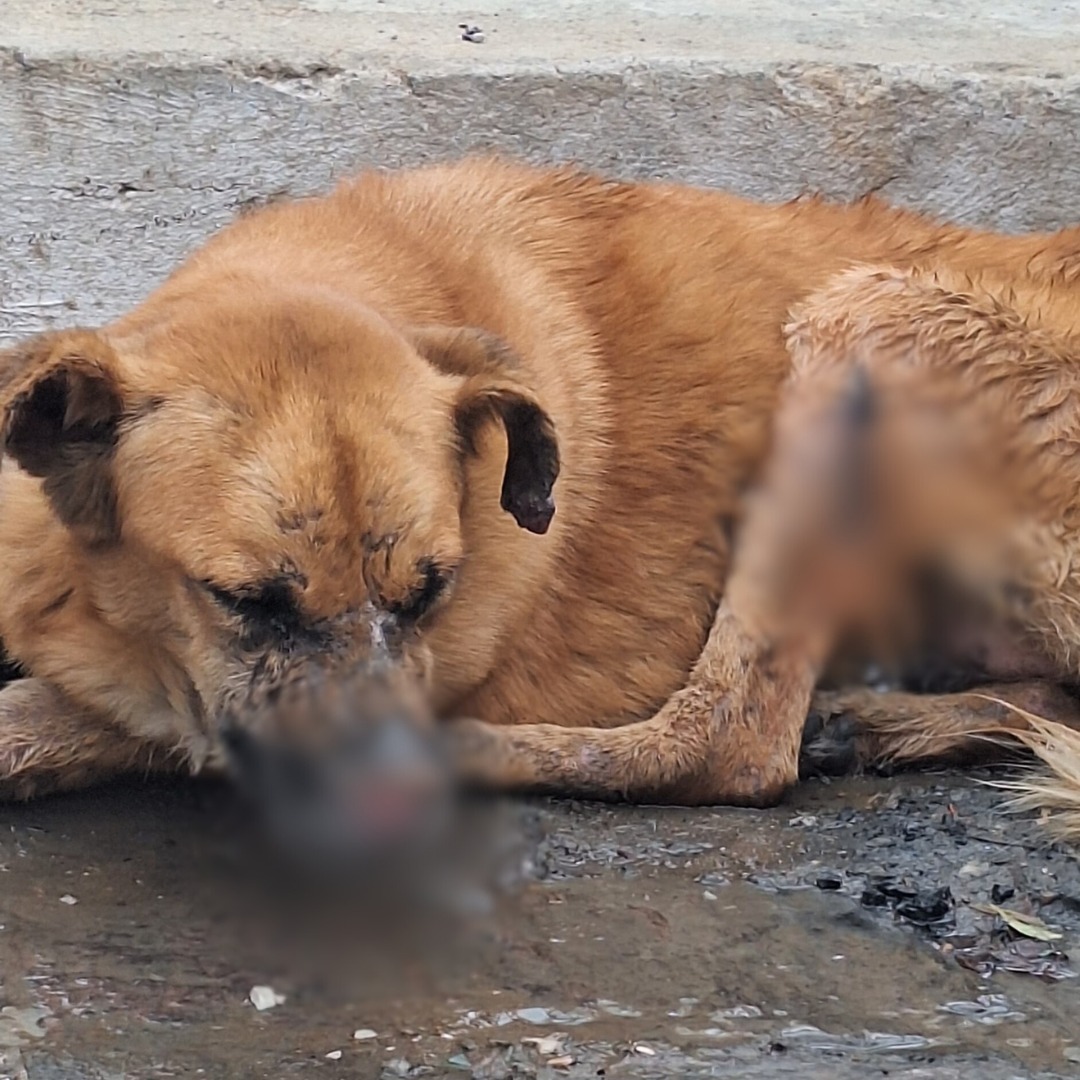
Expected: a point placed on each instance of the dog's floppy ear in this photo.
(491, 391)
(61, 407)
(532, 459)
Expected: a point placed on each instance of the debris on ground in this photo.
(998, 952)
(1027, 925)
(546, 1045)
(813, 1038)
(931, 908)
(265, 997)
(988, 1009)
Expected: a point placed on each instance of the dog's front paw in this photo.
(477, 753)
(727, 747)
(828, 744)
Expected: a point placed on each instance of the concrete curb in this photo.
(114, 163)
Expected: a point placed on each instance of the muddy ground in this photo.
(833, 937)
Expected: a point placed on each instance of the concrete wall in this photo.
(128, 131)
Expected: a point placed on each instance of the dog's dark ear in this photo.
(491, 391)
(61, 408)
(532, 452)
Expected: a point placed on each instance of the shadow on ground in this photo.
(843, 935)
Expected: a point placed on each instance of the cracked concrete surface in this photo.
(130, 130)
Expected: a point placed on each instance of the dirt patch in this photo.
(803, 941)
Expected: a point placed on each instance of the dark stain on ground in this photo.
(833, 937)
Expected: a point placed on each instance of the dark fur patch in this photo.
(828, 746)
(532, 466)
(269, 614)
(10, 669)
(436, 580)
(934, 674)
(64, 430)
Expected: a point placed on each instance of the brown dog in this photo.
(493, 431)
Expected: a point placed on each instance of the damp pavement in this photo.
(902, 927)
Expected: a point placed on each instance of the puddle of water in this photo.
(642, 949)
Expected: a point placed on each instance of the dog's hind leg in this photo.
(49, 744)
(851, 731)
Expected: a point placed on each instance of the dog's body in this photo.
(279, 413)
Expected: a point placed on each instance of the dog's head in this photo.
(266, 492)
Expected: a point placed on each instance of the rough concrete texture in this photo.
(129, 130)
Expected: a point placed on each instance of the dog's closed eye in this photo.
(267, 610)
(435, 581)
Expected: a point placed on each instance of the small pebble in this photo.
(360, 1034)
(641, 1048)
(68, 899)
(265, 997)
(334, 1055)
(534, 1016)
(545, 1044)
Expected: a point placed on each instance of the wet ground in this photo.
(847, 934)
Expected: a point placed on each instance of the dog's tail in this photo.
(1053, 789)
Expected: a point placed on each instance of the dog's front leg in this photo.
(50, 744)
(730, 736)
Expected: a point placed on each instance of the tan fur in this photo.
(303, 398)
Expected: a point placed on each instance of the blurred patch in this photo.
(366, 925)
